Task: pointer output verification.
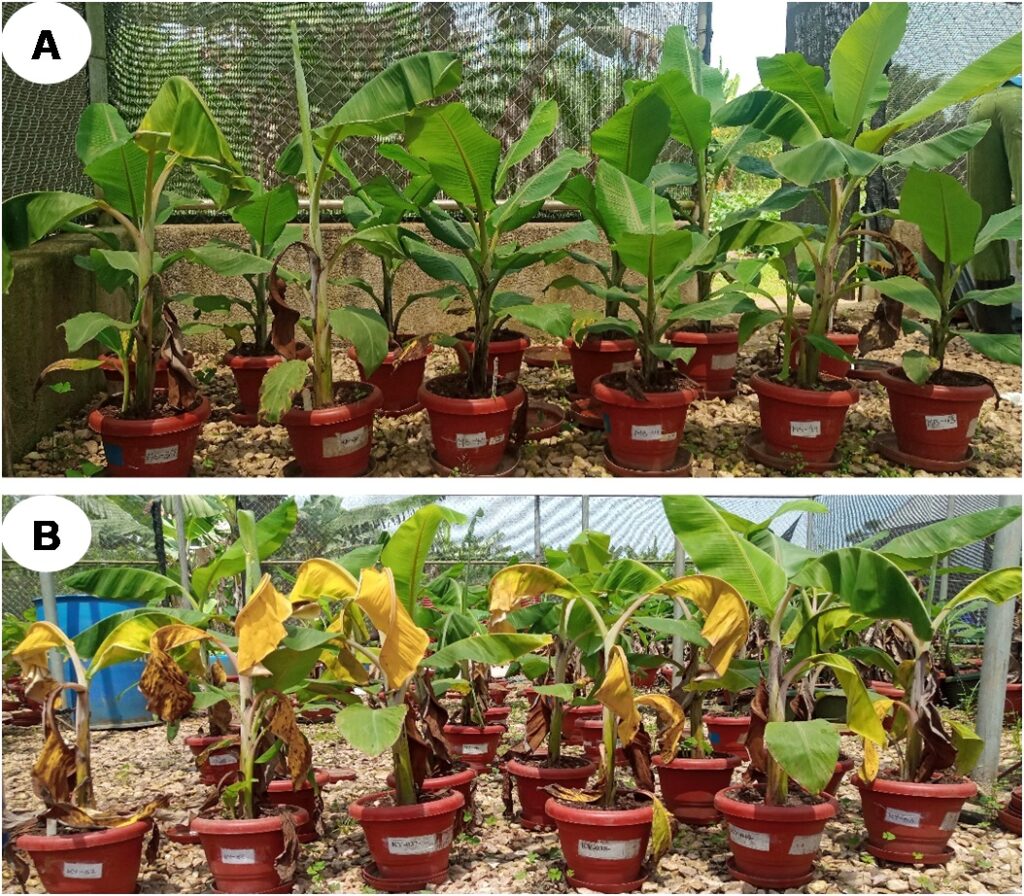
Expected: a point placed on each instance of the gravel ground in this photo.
(495, 857)
(715, 430)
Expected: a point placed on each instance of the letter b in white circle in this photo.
(46, 43)
(46, 533)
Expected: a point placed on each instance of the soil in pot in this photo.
(573, 714)
(773, 847)
(726, 733)
(713, 365)
(476, 745)
(217, 764)
(604, 848)
(105, 861)
(847, 340)
(398, 381)
(470, 434)
(161, 446)
(803, 422)
(595, 357)
(335, 441)
(410, 845)
(688, 786)
(935, 422)
(532, 775)
(508, 346)
(911, 823)
(282, 793)
(241, 852)
(843, 765)
(644, 435)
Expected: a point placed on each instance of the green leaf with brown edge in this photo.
(280, 386)
(806, 751)
(371, 731)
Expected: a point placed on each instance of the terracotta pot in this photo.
(241, 852)
(1009, 819)
(725, 733)
(645, 678)
(848, 342)
(806, 422)
(1012, 705)
(409, 844)
(509, 353)
(498, 693)
(471, 434)
(249, 371)
(497, 715)
(594, 357)
(220, 763)
(644, 435)
(773, 847)
(688, 786)
(282, 793)
(158, 448)
(911, 823)
(476, 745)
(114, 376)
(399, 383)
(531, 777)
(604, 848)
(573, 714)
(713, 365)
(886, 689)
(334, 441)
(461, 780)
(590, 733)
(88, 861)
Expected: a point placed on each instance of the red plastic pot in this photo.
(886, 689)
(409, 844)
(713, 365)
(644, 435)
(604, 848)
(509, 353)
(241, 852)
(911, 823)
(497, 715)
(88, 862)
(688, 786)
(471, 434)
(399, 383)
(249, 371)
(220, 763)
(114, 376)
(531, 777)
(1009, 819)
(461, 780)
(334, 441)
(282, 793)
(848, 342)
(573, 714)
(933, 422)
(158, 448)
(590, 733)
(773, 847)
(594, 357)
(645, 678)
(476, 745)
(1012, 704)
(498, 693)
(807, 422)
(725, 734)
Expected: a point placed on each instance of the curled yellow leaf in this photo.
(259, 625)
(616, 693)
(31, 653)
(321, 578)
(869, 767)
(514, 585)
(726, 617)
(671, 722)
(403, 643)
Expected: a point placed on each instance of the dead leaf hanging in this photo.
(182, 387)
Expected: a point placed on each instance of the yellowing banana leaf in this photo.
(85, 818)
(259, 625)
(861, 716)
(571, 795)
(672, 721)
(342, 666)
(616, 693)
(127, 641)
(165, 686)
(320, 578)
(726, 617)
(515, 584)
(968, 746)
(869, 766)
(661, 831)
(40, 638)
(403, 643)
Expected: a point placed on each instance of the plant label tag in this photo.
(723, 362)
(805, 429)
(223, 759)
(622, 366)
(474, 749)
(651, 433)
(899, 816)
(750, 839)
(238, 856)
(609, 849)
(83, 870)
(415, 846)
(344, 443)
(806, 845)
(950, 821)
(470, 439)
(937, 422)
(161, 455)
(496, 440)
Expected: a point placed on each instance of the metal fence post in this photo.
(97, 64)
(585, 513)
(48, 594)
(178, 508)
(677, 611)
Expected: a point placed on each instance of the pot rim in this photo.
(715, 719)
(917, 789)
(247, 826)
(677, 398)
(610, 818)
(598, 345)
(284, 785)
(235, 360)
(442, 804)
(470, 407)
(927, 392)
(389, 358)
(339, 413)
(719, 763)
(535, 772)
(107, 425)
(784, 814)
(84, 839)
(204, 740)
(762, 385)
(501, 346)
(730, 336)
(485, 730)
(452, 780)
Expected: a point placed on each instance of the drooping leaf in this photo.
(616, 693)
(671, 722)
(366, 330)
(726, 618)
(403, 643)
(259, 625)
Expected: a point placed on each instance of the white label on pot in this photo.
(223, 758)
(496, 440)
(806, 845)
(474, 749)
(723, 362)
(899, 816)
(805, 429)
(750, 839)
(470, 439)
(972, 427)
(651, 433)
(622, 366)
(950, 821)
(161, 455)
(418, 846)
(83, 870)
(344, 443)
(238, 856)
(609, 849)
(935, 422)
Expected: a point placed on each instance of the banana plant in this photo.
(950, 222)
(835, 149)
(376, 109)
(467, 164)
(131, 172)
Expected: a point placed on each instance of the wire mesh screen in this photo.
(39, 125)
